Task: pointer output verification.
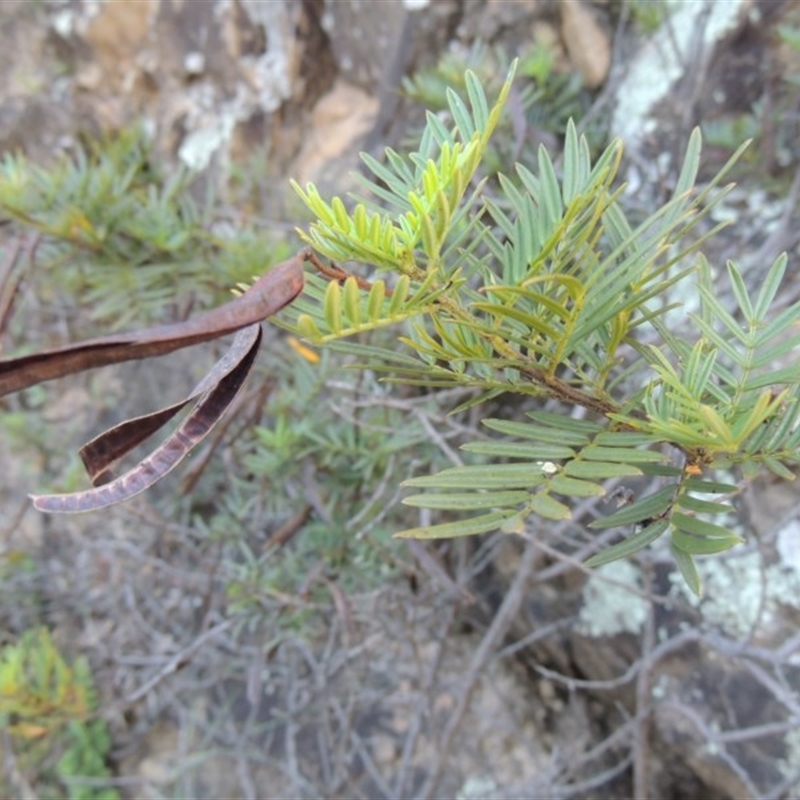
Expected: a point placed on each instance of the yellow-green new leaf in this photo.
(307, 328)
(351, 302)
(766, 405)
(717, 426)
(399, 295)
(340, 214)
(377, 294)
(333, 307)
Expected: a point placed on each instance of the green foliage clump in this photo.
(121, 235)
(531, 281)
(335, 460)
(543, 103)
(648, 15)
(543, 287)
(770, 119)
(47, 705)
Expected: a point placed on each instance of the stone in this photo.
(338, 122)
(587, 42)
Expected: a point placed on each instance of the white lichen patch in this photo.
(611, 601)
(740, 594)
(662, 61)
(198, 148)
(477, 787)
(789, 765)
(788, 545)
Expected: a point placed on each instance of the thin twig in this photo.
(334, 273)
(500, 624)
(10, 278)
(641, 740)
(776, 241)
(176, 662)
(425, 702)
(11, 769)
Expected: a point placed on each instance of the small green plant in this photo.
(544, 101)
(790, 36)
(769, 121)
(46, 705)
(544, 288)
(120, 234)
(338, 468)
(648, 15)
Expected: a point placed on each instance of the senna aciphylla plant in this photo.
(532, 282)
(538, 284)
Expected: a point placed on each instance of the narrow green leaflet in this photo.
(329, 312)
(709, 487)
(779, 469)
(696, 536)
(769, 287)
(477, 99)
(654, 505)
(740, 291)
(531, 452)
(700, 527)
(599, 470)
(467, 501)
(691, 164)
(688, 569)
(559, 421)
(623, 439)
(623, 455)
(690, 503)
(539, 433)
(449, 530)
(548, 507)
(461, 115)
(572, 487)
(492, 476)
(700, 545)
(631, 544)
